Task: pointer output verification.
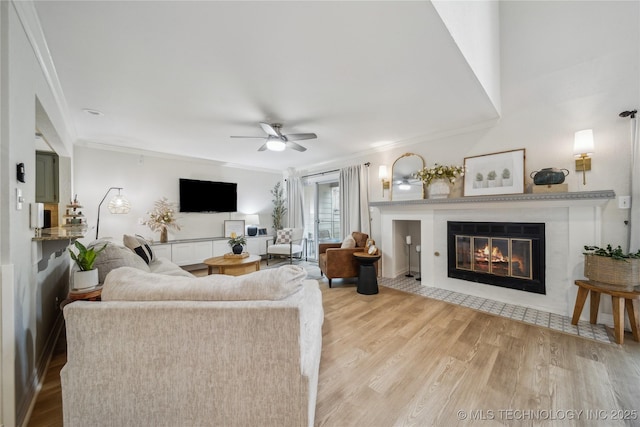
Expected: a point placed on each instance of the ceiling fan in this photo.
(277, 141)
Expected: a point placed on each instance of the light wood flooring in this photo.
(397, 359)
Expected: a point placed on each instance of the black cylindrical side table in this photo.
(367, 277)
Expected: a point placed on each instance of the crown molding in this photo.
(28, 16)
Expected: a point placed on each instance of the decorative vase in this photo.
(163, 236)
(237, 249)
(85, 279)
(439, 189)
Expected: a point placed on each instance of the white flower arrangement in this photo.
(162, 217)
(428, 175)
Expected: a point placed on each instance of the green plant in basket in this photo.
(85, 257)
(610, 252)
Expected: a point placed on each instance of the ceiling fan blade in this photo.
(270, 130)
(261, 137)
(295, 146)
(301, 136)
(263, 147)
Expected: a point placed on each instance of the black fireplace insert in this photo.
(507, 254)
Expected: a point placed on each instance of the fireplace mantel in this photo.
(527, 199)
(572, 220)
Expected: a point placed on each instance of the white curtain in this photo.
(634, 228)
(295, 201)
(354, 200)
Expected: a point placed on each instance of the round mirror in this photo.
(404, 184)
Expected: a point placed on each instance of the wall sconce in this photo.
(118, 205)
(582, 149)
(383, 175)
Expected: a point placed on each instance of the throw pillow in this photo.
(142, 250)
(348, 242)
(360, 238)
(284, 236)
(147, 246)
(128, 284)
(116, 256)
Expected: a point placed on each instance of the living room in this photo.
(557, 68)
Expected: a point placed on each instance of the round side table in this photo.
(91, 294)
(367, 277)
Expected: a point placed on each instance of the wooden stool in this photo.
(621, 297)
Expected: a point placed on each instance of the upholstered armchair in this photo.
(290, 243)
(336, 261)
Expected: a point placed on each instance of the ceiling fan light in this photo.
(275, 145)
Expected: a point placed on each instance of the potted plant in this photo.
(87, 276)
(237, 242)
(612, 266)
(279, 207)
(438, 179)
(162, 217)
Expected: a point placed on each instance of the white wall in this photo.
(29, 288)
(474, 26)
(146, 178)
(565, 66)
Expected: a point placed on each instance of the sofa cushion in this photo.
(164, 266)
(348, 242)
(128, 284)
(140, 246)
(116, 256)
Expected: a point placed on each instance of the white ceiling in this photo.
(181, 77)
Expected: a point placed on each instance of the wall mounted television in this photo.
(208, 196)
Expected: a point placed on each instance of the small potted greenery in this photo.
(87, 276)
(612, 266)
(237, 242)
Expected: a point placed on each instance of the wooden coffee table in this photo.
(233, 266)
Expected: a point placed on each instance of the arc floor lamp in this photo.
(117, 205)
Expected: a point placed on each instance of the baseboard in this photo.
(26, 408)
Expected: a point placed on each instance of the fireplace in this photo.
(507, 254)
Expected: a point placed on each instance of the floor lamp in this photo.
(118, 205)
(409, 258)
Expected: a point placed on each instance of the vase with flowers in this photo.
(439, 179)
(237, 242)
(162, 218)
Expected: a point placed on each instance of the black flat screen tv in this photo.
(208, 196)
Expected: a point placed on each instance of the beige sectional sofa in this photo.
(162, 350)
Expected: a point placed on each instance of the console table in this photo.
(193, 251)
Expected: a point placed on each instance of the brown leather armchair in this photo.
(336, 262)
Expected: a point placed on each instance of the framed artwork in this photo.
(233, 226)
(496, 173)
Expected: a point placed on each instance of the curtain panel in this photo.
(354, 200)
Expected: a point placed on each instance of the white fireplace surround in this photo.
(571, 220)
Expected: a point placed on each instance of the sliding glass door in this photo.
(322, 198)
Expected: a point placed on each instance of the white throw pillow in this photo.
(348, 242)
(116, 256)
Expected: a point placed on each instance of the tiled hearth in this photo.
(524, 314)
